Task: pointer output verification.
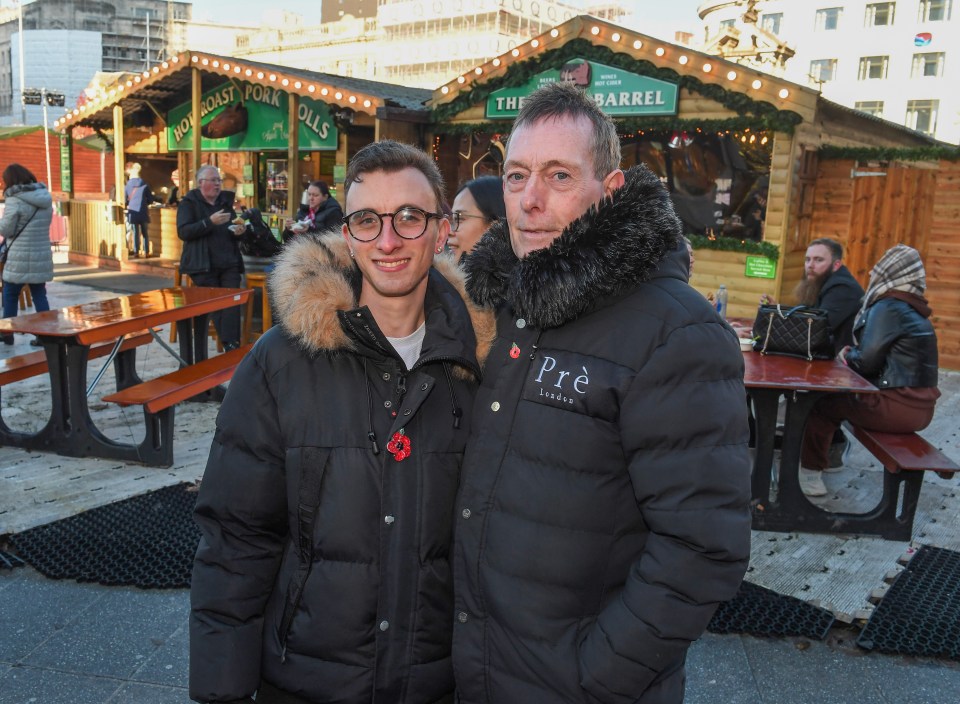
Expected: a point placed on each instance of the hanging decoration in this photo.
(829, 151)
(731, 244)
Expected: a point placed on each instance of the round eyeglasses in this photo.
(408, 223)
(458, 217)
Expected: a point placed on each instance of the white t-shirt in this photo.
(409, 347)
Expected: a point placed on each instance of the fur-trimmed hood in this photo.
(611, 248)
(315, 281)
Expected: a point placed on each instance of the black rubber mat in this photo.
(8, 561)
(920, 614)
(762, 612)
(148, 541)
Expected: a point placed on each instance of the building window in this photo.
(771, 22)
(927, 65)
(922, 115)
(879, 14)
(727, 24)
(934, 10)
(871, 107)
(823, 70)
(873, 67)
(828, 18)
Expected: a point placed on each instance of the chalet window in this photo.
(929, 64)
(823, 70)
(871, 107)
(879, 14)
(934, 10)
(922, 115)
(828, 18)
(771, 22)
(872, 67)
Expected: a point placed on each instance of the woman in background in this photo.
(895, 349)
(318, 214)
(476, 206)
(25, 227)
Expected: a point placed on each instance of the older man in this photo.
(211, 249)
(603, 510)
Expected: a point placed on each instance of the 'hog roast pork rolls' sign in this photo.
(240, 116)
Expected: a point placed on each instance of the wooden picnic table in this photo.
(67, 334)
(801, 383)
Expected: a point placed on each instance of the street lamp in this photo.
(44, 97)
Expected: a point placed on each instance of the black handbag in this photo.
(800, 331)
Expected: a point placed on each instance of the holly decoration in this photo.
(399, 446)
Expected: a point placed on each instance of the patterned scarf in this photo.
(899, 268)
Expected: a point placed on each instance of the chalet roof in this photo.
(168, 85)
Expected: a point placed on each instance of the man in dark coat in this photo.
(326, 508)
(828, 284)
(211, 249)
(604, 506)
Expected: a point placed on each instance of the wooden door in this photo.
(894, 206)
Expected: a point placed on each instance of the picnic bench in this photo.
(26, 366)
(905, 457)
(160, 396)
(69, 334)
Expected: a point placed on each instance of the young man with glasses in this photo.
(323, 572)
(211, 245)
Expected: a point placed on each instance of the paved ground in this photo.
(62, 642)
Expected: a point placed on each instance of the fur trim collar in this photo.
(611, 248)
(315, 278)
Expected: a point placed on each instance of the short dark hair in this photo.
(321, 186)
(836, 249)
(487, 191)
(556, 100)
(17, 175)
(390, 157)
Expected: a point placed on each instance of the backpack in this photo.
(258, 240)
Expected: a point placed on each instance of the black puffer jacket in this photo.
(304, 431)
(206, 246)
(897, 345)
(603, 510)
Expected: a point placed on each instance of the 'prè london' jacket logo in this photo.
(578, 383)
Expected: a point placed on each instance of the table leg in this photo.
(766, 404)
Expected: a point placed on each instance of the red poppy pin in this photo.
(399, 446)
(514, 351)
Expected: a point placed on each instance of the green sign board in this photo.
(241, 116)
(66, 165)
(760, 267)
(616, 91)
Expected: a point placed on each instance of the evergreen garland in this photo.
(828, 152)
(755, 114)
(624, 125)
(732, 244)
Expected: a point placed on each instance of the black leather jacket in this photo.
(897, 346)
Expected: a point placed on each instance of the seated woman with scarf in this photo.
(895, 349)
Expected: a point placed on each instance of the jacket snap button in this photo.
(424, 387)
(495, 406)
(388, 520)
(386, 376)
(406, 412)
(384, 625)
(521, 323)
(462, 617)
(465, 513)
(387, 404)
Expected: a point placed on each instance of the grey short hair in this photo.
(556, 100)
(206, 167)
